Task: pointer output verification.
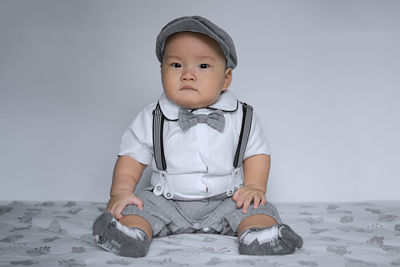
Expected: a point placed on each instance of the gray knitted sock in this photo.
(119, 239)
(274, 240)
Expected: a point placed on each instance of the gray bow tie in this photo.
(215, 119)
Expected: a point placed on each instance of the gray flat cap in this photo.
(200, 25)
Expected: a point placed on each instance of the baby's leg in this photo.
(129, 237)
(136, 221)
(260, 234)
(256, 220)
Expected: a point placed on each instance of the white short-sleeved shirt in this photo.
(200, 159)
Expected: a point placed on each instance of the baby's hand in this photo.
(247, 194)
(117, 203)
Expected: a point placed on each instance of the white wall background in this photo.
(323, 75)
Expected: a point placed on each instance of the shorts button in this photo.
(158, 188)
(168, 194)
(206, 229)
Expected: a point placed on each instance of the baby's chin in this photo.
(192, 103)
(192, 106)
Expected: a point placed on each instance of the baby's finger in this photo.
(236, 195)
(118, 211)
(256, 202)
(139, 203)
(246, 204)
(263, 200)
(239, 202)
(109, 207)
(134, 201)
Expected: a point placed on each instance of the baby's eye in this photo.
(204, 66)
(176, 65)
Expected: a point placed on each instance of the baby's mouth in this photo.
(188, 87)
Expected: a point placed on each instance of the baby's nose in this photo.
(188, 74)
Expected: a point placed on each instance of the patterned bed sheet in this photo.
(335, 234)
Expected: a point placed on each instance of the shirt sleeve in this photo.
(258, 142)
(136, 141)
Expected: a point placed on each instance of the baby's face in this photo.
(193, 70)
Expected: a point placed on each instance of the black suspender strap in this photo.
(244, 134)
(158, 146)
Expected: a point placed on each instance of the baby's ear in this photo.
(228, 79)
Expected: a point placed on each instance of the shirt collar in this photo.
(227, 102)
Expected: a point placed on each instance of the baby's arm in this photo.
(127, 173)
(256, 171)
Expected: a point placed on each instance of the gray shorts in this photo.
(213, 215)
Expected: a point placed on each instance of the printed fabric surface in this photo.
(335, 234)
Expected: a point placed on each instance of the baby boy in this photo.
(208, 153)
